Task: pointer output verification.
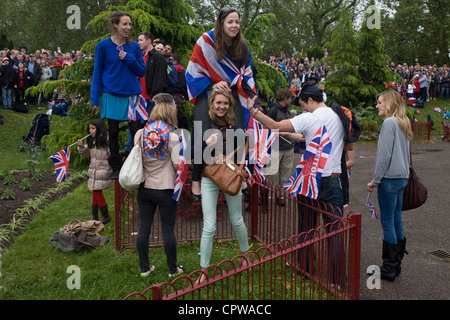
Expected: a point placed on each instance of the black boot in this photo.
(94, 212)
(390, 261)
(105, 215)
(401, 250)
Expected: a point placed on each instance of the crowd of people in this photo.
(422, 82)
(21, 69)
(224, 95)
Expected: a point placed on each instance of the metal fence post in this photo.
(355, 256)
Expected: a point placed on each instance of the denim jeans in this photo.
(210, 193)
(444, 91)
(148, 200)
(390, 199)
(6, 95)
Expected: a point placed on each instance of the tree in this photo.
(373, 71)
(343, 59)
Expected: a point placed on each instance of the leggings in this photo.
(98, 198)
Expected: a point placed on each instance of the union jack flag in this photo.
(262, 141)
(137, 108)
(156, 139)
(373, 211)
(306, 178)
(182, 169)
(204, 69)
(61, 160)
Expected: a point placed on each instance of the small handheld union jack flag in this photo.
(61, 160)
(373, 212)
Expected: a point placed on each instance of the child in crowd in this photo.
(411, 88)
(99, 169)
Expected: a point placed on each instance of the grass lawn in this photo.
(33, 270)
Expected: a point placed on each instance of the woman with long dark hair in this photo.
(221, 60)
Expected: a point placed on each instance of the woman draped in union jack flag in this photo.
(221, 60)
(115, 83)
(157, 141)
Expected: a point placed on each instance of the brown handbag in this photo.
(415, 193)
(227, 175)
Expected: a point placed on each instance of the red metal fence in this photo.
(307, 253)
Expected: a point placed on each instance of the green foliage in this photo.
(25, 184)
(9, 179)
(8, 194)
(268, 80)
(254, 33)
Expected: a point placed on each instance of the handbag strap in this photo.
(228, 157)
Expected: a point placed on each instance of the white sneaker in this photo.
(145, 274)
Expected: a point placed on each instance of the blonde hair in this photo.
(165, 111)
(229, 119)
(395, 107)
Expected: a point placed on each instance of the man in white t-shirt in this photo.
(315, 114)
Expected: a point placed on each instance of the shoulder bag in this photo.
(130, 175)
(227, 175)
(415, 193)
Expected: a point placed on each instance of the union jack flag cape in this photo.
(156, 139)
(61, 160)
(262, 142)
(306, 178)
(204, 69)
(182, 169)
(373, 211)
(137, 108)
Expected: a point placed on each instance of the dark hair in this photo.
(283, 93)
(176, 57)
(114, 18)
(147, 35)
(101, 136)
(310, 90)
(236, 45)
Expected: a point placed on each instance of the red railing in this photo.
(307, 253)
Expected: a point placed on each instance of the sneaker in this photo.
(177, 273)
(115, 174)
(145, 274)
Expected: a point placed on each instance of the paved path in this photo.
(424, 276)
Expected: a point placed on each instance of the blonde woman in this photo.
(391, 176)
(223, 118)
(157, 140)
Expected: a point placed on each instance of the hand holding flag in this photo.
(61, 160)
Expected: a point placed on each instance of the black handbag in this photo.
(415, 193)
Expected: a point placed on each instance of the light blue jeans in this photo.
(6, 95)
(390, 200)
(210, 193)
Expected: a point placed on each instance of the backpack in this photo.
(352, 129)
(352, 132)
